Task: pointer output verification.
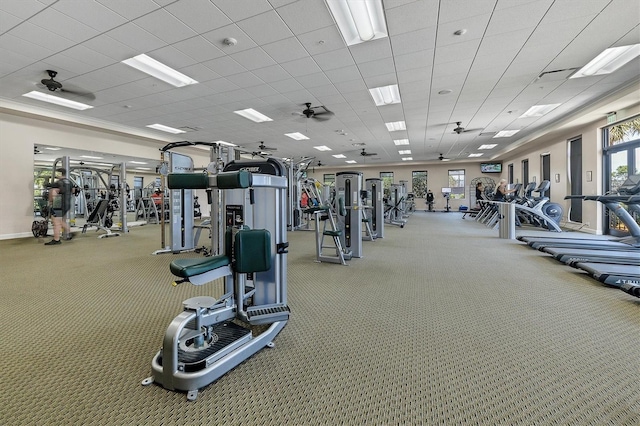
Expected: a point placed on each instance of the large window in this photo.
(387, 180)
(456, 183)
(328, 178)
(621, 157)
(419, 184)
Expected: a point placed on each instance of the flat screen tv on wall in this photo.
(491, 167)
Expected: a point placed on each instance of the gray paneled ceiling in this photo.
(290, 52)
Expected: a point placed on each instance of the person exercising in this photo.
(479, 191)
(60, 201)
(502, 191)
(430, 199)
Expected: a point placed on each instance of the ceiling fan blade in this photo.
(77, 92)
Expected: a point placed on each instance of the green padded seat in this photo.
(332, 233)
(366, 219)
(252, 250)
(315, 209)
(185, 268)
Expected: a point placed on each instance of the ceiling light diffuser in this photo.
(322, 148)
(164, 128)
(159, 70)
(396, 125)
(253, 115)
(488, 146)
(475, 155)
(401, 141)
(407, 158)
(339, 156)
(351, 161)
(359, 20)
(608, 61)
(44, 97)
(137, 162)
(91, 157)
(539, 110)
(385, 95)
(404, 152)
(297, 136)
(505, 133)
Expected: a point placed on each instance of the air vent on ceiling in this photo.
(190, 128)
(554, 75)
(487, 134)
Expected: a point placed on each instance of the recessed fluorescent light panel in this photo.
(53, 148)
(407, 158)
(359, 20)
(91, 157)
(159, 70)
(475, 155)
(322, 148)
(385, 95)
(395, 126)
(506, 133)
(137, 162)
(339, 156)
(164, 128)
(401, 141)
(488, 146)
(351, 161)
(539, 110)
(297, 136)
(253, 115)
(225, 143)
(405, 152)
(39, 96)
(142, 168)
(609, 61)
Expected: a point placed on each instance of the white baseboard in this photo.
(12, 236)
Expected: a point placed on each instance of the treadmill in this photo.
(615, 275)
(628, 193)
(571, 256)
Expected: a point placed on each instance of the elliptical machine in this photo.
(213, 335)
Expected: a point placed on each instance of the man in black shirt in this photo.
(60, 200)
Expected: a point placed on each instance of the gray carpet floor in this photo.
(440, 323)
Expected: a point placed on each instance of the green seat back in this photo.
(252, 250)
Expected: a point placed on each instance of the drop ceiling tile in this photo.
(241, 9)
(414, 75)
(285, 50)
(272, 74)
(165, 26)
(172, 57)
(380, 80)
(136, 37)
(457, 10)
(287, 85)
(253, 58)
(527, 15)
(109, 47)
(343, 74)
(305, 15)
(301, 67)
(411, 17)
(20, 46)
(420, 59)
(219, 85)
(322, 40)
(199, 15)
(334, 59)
(352, 86)
(198, 48)
(245, 79)
(91, 14)
(216, 37)
(23, 9)
(130, 9)
(8, 21)
(46, 39)
(313, 80)
(475, 29)
(371, 51)
(262, 91)
(373, 68)
(265, 28)
(320, 91)
(457, 52)
(89, 56)
(224, 66)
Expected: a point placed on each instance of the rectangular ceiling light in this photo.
(506, 133)
(608, 61)
(91, 157)
(539, 110)
(475, 155)
(407, 158)
(137, 162)
(339, 156)
(385, 95)
(159, 70)
(297, 136)
(53, 148)
(401, 142)
(488, 146)
(322, 148)
(142, 168)
(44, 97)
(359, 20)
(404, 152)
(164, 128)
(351, 161)
(253, 115)
(395, 126)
